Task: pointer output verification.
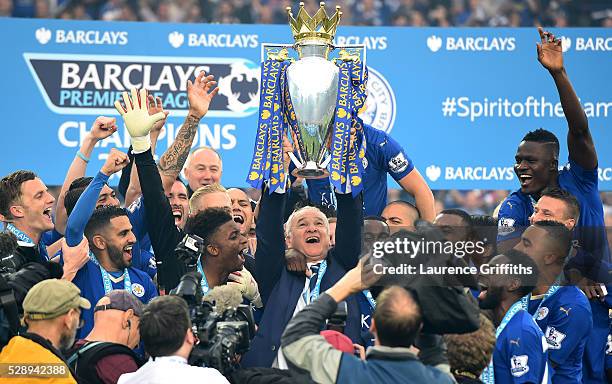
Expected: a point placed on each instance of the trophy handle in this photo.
(278, 52)
(295, 160)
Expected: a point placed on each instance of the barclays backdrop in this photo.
(458, 100)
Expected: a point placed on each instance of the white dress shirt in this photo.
(172, 369)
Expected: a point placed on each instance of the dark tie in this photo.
(313, 279)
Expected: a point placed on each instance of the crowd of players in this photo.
(90, 278)
(416, 13)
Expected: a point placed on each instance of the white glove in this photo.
(137, 119)
(248, 286)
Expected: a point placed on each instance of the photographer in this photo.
(16, 278)
(52, 314)
(396, 323)
(165, 329)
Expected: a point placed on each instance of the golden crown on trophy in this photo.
(319, 27)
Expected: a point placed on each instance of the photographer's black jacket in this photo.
(164, 235)
(280, 289)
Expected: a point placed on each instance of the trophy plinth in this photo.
(311, 170)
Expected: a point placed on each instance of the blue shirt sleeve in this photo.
(397, 163)
(320, 191)
(136, 214)
(511, 219)
(51, 237)
(584, 179)
(83, 210)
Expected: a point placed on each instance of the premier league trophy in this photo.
(315, 101)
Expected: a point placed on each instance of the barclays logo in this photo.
(566, 43)
(176, 39)
(380, 105)
(598, 44)
(433, 172)
(43, 35)
(474, 44)
(434, 43)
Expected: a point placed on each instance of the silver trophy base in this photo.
(311, 171)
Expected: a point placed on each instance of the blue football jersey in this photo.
(598, 350)
(89, 280)
(521, 352)
(565, 318)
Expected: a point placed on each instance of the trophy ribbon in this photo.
(341, 127)
(267, 162)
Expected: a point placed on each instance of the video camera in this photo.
(10, 260)
(223, 325)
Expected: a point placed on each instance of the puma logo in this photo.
(516, 342)
(566, 311)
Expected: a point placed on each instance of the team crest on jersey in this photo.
(518, 365)
(554, 337)
(138, 290)
(542, 313)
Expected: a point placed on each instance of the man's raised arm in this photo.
(348, 229)
(579, 141)
(270, 255)
(200, 94)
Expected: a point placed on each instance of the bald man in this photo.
(204, 167)
(106, 353)
(399, 215)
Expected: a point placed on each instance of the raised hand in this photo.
(115, 162)
(137, 119)
(296, 262)
(550, 52)
(155, 106)
(103, 127)
(200, 93)
(74, 258)
(287, 148)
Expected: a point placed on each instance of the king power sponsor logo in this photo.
(81, 84)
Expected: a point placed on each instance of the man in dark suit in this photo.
(285, 293)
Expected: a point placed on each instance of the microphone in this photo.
(224, 297)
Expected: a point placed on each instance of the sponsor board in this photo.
(90, 84)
